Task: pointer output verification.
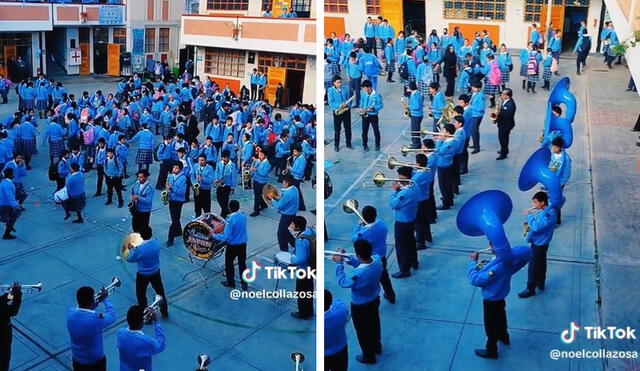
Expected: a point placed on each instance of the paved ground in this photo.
(238, 335)
(437, 321)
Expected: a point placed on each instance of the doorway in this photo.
(414, 16)
(294, 87)
(186, 54)
(100, 40)
(573, 15)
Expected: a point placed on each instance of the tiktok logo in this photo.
(569, 335)
(250, 274)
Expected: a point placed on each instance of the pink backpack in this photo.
(88, 137)
(495, 77)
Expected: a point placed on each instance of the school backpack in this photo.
(272, 138)
(88, 136)
(312, 248)
(495, 77)
(532, 65)
(585, 45)
(403, 70)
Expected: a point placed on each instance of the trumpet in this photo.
(196, 189)
(297, 358)
(351, 207)
(405, 149)
(339, 111)
(391, 163)
(115, 282)
(164, 196)
(421, 132)
(26, 289)
(379, 180)
(148, 312)
(405, 112)
(329, 254)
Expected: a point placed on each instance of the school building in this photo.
(231, 38)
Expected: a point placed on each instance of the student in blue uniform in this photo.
(404, 201)
(177, 186)
(336, 350)
(560, 163)
(225, 180)
(370, 106)
(416, 113)
(337, 98)
(259, 169)
(302, 257)
(477, 104)
(422, 178)
(445, 149)
(135, 347)
(75, 190)
(287, 206)
(203, 174)
(113, 171)
(235, 236)
(541, 226)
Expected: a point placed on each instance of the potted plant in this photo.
(624, 45)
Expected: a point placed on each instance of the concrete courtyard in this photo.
(247, 334)
(593, 267)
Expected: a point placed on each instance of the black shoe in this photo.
(379, 350)
(78, 221)
(336, 148)
(108, 203)
(471, 147)
(8, 236)
(456, 191)
(501, 157)
(254, 214)
(67, 216)
(415, 266)
(541, 287)
(366, 149)
(578, 73)
(391, 80)
(391, 299)
(377, 148)
(463, 172)
(228, 284)
(298, 315)
(165, 315)
(442, 207)
(120, 204)
(475, 151)
(367, 361)
(350, 146)
(28, 167)
(505, 341)
(401, 275)
(485, 354)
(527, 293)
(97, 194)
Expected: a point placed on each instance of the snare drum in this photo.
(282, 259)
(198, 236)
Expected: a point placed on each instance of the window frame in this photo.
(475, 10)
(336, 6)
(160, 38)
(371, 6)
(225, 62)
(150, 31)
(227, 5)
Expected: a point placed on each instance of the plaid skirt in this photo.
(144, 156)
(533, 78)
(546, 73)
(391, 66)
(56, 147)
(28, 103)
(27, 146)
(335, 68)
(42, 104)
(406, 82)
(505, 75)
(523, 70)
(76, 203)
(490, 89)
(423, 88)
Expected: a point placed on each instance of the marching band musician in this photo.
(225, 180)
(477, 105)
(337, 98)
(8, 309)
(404, 201)
(301, 257)
(177, 186)
(437, 104)
(541, 227)
(113, 171)
(298, 166)
(9, 207)
(248, 148)
(560, 163)
(494, 278)
(370, 106)
(235, 235)
(416, 112)
(142, 198)
(459, 137)
(547, 139)
(445, 149)
(260, 174)
(432, 163)
(186, 170)
(85, 328)
(137, 348)
(75, 189)
(364, 282)
(336, 349)
(287, 205)
(309, 152)
(202, 174)
(164, 154)
(147, 258)
(373, 230)
(423, 179)
(463, 101)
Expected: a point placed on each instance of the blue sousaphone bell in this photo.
(536, 170)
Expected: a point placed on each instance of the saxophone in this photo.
(339, 111)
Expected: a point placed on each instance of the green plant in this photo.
(624, 45)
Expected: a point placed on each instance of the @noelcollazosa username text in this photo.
(556, 354)
(236, 294)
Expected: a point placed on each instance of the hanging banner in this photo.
(75, 57)
(111, 15)
(138, 40)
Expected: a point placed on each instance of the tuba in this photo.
(536, 170)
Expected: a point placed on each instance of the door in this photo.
(100, 58)
(414, 17)
(392, 11)
(275, 75)
(10, 51)
(557, 20)
(294, 88)
(84, 59)
(573, 16)
(113, 59)
(469, 30)
(333, 24)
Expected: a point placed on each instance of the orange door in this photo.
(557, 20)
(84, 59)
(469, 31)
(113, 59)
(278, 5)
(333, 24)
(9, 51)
(275, 75)
(392, 11)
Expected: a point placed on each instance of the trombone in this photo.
(115, 282)
(329, 254)
(405, 149)
(297, 358)
(422, 132)
(379, 180)
(26, 289)
(148, 312)
(351, 207)
(392, 163)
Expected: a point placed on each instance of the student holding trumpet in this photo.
(8, 308)
(370, 106)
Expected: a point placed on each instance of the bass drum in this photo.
(198, 236)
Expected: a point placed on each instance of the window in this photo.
(163, 40)
(584, 3)
(302, 8)
(373, 7)
(533, 8)
(120, 37)
(149, 40)
(486, 10)
(336, 6)
(288, 61)
(228, 4)
(224, 62)
(266, 5)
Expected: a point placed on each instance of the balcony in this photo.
(288, 35)
(43, 16)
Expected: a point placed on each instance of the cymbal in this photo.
(132, 239)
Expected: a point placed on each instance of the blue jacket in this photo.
(113, 168)
(364, 280)
(164, 151)
(337, 97)
(137, 348)
(235, 229)
(373, 100)
(411, 64)
(389, 53)
(8, 193)
(563, 164)
(477, 104)
(375, 233)
(85, 330)
(288, 203)
(75, 184)
(354, 70)
(282, 149)
(400, 45)
(301, 254)
(369, 64)
(370, 29)
(335, 322)
(145, 201)
(178, 185)
(206, 175)
(423, 180)
(495, 277)
(542, 226)
(145, 137)
(19, 172)
(261, 173)
(445, 150)
(438, 104)
(555, 44)
(534, 37)
(405, 204)
(297, 169)
(54, 132)
(227, 173)
(147, 256)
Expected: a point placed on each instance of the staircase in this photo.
(54, 69)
